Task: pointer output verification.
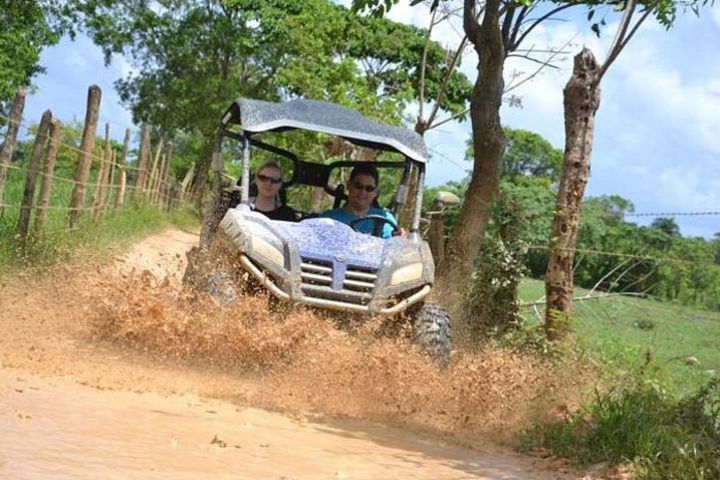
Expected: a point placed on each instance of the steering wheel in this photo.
(379, 221)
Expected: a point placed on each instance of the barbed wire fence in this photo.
(102, 182)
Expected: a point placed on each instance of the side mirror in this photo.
(446, 199)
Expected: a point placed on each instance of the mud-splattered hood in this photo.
(324, 238)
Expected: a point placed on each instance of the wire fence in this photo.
(61, 184)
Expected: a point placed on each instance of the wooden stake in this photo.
(33, 170)
(82, 172)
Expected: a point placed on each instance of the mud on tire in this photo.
(431, 331)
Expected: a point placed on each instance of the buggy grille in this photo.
(340, 282)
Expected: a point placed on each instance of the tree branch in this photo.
(538, 21)
(446, 80)
(621, 39)
(470, 22)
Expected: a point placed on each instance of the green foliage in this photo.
(527, 155)
(27, 27)
(664, 438)
(492, 296)
(193, 59)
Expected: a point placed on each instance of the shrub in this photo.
(664, 438)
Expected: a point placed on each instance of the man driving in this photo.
(362, 190)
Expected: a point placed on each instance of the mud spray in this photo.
(302, 362)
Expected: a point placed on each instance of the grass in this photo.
(91, 239)
(621, 333)
(655, 408)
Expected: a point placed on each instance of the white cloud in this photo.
(715, 15)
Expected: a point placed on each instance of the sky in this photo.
(657, 138)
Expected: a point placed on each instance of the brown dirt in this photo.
(85, 349)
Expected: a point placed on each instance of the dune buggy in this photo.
(320, 262)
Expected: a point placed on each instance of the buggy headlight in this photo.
(266, 249)
(408, 273)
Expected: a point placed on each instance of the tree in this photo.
(666, 225)
(527, 154)
(581, 98)
(194, 58)
(28, 26)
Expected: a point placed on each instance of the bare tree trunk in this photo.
(120, 199)
(581, 101)
(11, 139)
(143, 156)
(488, 144)
(32, 173)
(56, 130)
(82, 172)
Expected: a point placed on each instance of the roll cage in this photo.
(255, 117)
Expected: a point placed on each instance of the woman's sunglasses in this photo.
(360, 186)
(265, 178)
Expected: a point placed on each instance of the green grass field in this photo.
(620, 332)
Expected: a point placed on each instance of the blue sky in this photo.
(657, 140)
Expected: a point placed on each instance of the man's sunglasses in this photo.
(360, 186)
(265, 178)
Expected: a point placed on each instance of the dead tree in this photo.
(581, 99)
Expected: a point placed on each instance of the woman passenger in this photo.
(269, 181)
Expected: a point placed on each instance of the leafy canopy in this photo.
(27, 27)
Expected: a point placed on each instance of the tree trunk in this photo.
(581, 101)
(11, 139)
(488, 144)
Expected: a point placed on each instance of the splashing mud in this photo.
(133, 327)
(306, 361)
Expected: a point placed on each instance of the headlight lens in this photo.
(262, 247)
(408, 273)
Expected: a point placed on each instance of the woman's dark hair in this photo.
(365, 169)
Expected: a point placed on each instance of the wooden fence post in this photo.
(142, 163)
(187, 181)
(32, 173)
(120, 198)
(153, 171)
(82, 172)
(111, 184)
(105, 183)
(103, 177)
(11, 139)
(165, 185)
(56, 129)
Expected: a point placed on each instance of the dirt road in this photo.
(75, 403)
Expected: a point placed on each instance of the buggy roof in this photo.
(257, 116)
